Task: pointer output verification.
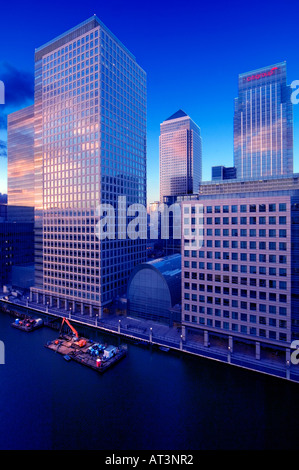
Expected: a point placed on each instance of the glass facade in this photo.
(180, 156)
(263, 124)
(154, 288)
(20, 157)
(90, 148)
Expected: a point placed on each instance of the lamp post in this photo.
(288, 369)
(151, 334)
(229, 354)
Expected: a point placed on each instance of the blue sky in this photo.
(192, 53)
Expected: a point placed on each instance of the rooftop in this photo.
(75, 32)
(177, 115)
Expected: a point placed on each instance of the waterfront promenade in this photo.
(171, 337)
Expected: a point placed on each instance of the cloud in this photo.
(19, 90)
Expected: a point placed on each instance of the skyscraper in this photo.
(180, 156)
(20, 157)
(90, 148)
(263, 124)
(243, 281)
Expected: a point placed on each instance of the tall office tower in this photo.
(20, 157)
(180, 156)
(90, 148)
(263, 124)
(243, 283)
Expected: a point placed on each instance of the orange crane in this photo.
(81, 342)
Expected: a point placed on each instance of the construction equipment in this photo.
(80, 342)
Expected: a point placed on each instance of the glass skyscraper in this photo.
(20, 157)
(263, 124)
(90, 148)
(180, 156)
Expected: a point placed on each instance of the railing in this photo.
(188, 346)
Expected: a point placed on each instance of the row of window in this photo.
(262, 295)
(271, 233)
(235, 244)
(245, 317)
(282, 298)
(272, 207)
(273, 297)
(262, 220)
(235, 268)
(226, 255)
(233, 280)
(244, 329)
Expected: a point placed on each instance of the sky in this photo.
(192, 52)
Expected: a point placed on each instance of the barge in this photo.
(85, 351)
(27, 324)
(71, 351)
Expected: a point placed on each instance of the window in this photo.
(282, 233)
(282, 207)
(282, 220)
(262, 208)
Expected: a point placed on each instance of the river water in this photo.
(151, 400)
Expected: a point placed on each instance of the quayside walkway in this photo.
(171, 337)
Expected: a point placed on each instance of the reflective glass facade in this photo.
(263, 124)
(90, 148)
(20, 157)
(154, 288)
(180, 156)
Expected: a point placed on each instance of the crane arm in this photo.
(71, 327)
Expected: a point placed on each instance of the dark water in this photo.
(151, 400)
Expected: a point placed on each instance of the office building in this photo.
(180, 156)
(90, 148)
(16, 242)
(20, 157)
(220, 173)
(243, 282)
(263, 124)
